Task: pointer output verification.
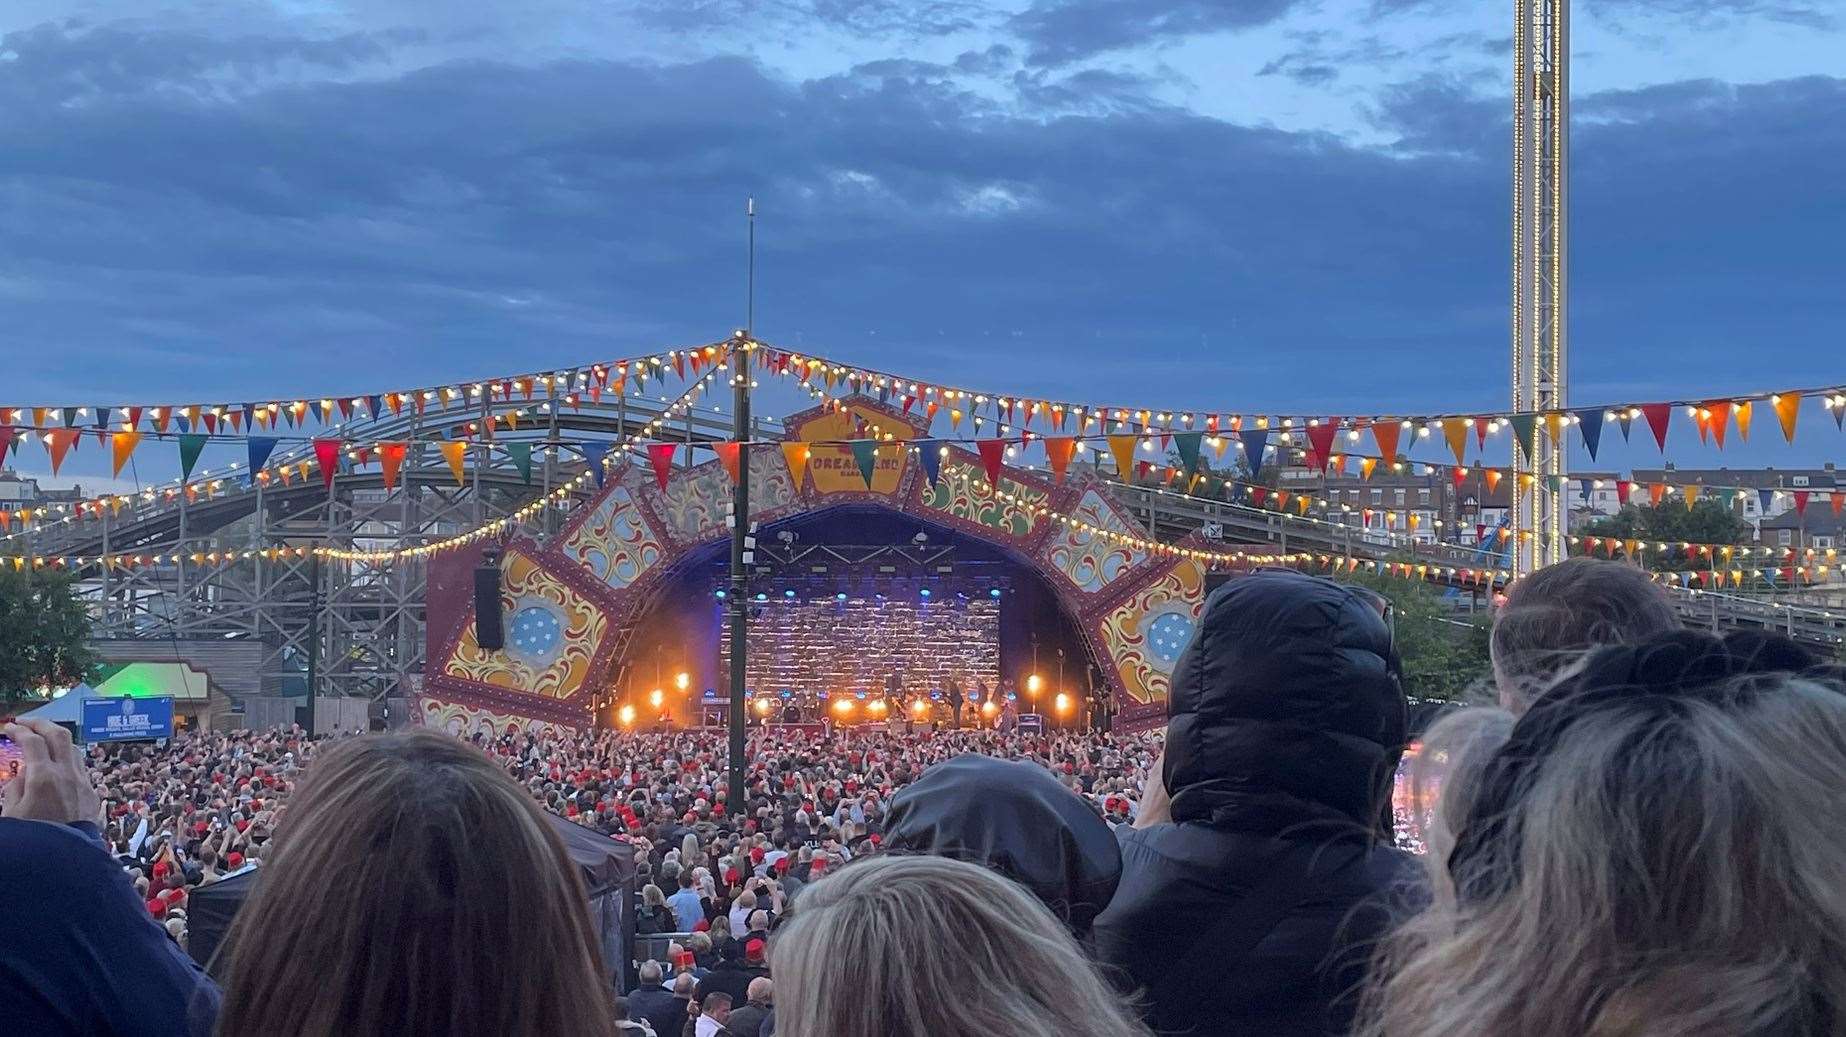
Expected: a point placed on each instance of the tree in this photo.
(44, 633)
(1706, 522)
(1444, 655)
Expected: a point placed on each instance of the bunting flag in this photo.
(327, 455)
(1385, 432)
(865, 455)
(1122, 448)
(390, 460)
(930, 451)
(1589, 423)
(1058, 451)
(102, 417)
(596, 456)
(1764, 500)
(1839, 502)
(1658, 415)
(456, 453)
(1493, 476)
(123, 444)
(189, 448)
(1525, 427)
(993, 454)
(728, 454)
(1255, 442)
(521, 454)
(1691, 490)
(1741, 413)
(1187, 443)
(1366, 467)
(1320, 442)
(260, 449)
(1656, 493)
(1720, 411)
(795, 455)
(1623, 488)
(1626, 418)
(59, 442)
(1455, 430)
(1801, 503)
(660, 455)
(1787, 408)
(1555, 423)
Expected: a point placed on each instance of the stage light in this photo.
(626, 715)
(988, 708)
(839, 597)
(842, 706)
(992, 593)
(682, 680)
(1033, 683)
(762, 707)
(760, 596)
(655, 698)
(720, 595)
(788, 594)
(919, 707)
(877, 707)
(925, 592)
(1063, 702)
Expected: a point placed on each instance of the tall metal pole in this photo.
(740, 521)
(1541, 218)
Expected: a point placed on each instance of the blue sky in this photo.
(1251, 205)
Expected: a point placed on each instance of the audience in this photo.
(918, 946)
(414, 888)
(1657, 849)
(1271, 876)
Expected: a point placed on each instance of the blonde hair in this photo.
(1680, 872)
(1446, 771)
(914, 946)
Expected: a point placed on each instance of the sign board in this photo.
(127, 719)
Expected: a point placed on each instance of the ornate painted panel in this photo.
(461, 720)
(693, 505)
(962, 492)
(1090, 561)
(1144, 635)
(614, 543)
(552, 633)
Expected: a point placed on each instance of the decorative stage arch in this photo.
(568, 603)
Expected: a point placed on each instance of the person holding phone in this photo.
(71, 909)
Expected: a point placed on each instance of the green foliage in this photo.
(1706, 522)
(44, 633)
(1444, 652)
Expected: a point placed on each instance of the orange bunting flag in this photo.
(1367, 465)
(1787, 408)
(1554, 424)
(1656, 493)
(1122, 448)
(123, 444)
(954, 418)
(796, 455)
(1059, 450)
(390, 459)
(1741, 412)
(1720, 419)
(59, 442)
(1493, 476)
(1839, 502)
(727, 456)
(455, 452)
(1455, 430)
(1385, 433)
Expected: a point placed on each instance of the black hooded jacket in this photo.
(1252, 913)
(1015, 818)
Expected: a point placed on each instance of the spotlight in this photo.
(655, 698)
(926, 592)
(720, 595)
(760, 596)
(626, 715)
(788, 594)
(682, 680)
(877, 707)
(842, 706)
(762, 707)
(1033, 683)
(1063, 702)
(992, 593)
(988, 708)
(919, 707)
(839, 597)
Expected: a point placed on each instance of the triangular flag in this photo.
(1366, 466)
(930, 451)
(327, 453)
(1554, 424)
(865, 455)
(727, 456)
(1622, 489)
(595, 457)
(1839, 502)
(1455, 430)
(1589, 423)
(660, 455)
(1658, 415)
(102, 417)
(124, 445)
(1720, 411)
(1122, 448)
(1787, 408)
(390, 459)
(993, 455)
(1625, 417)
(1525, 426)
(1742, 412)
(1058, 451)
(1187, 443)
(1656, 493)
(189, 449)
(1801, 502)
(1385, 432)
(59, 442)
(1255, 441)
(1493, 477)
(1691, 491)
(521, 453)
(260, 449)
(1320, 440)
(795, 455)
(455, 452)
(1765, 499)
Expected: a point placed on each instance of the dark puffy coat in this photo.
(1015, 818)
(1252, 913)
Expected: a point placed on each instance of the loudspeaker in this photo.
(489, 630)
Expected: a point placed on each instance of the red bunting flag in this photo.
(661, 456)
(993, 455)
(1320, 439)
(1059, 450)
(327, 453)
(1839, 502)
(390, 459)
(1622, 489)
(1801, 502)
(1480, 432)
(728, 454)
(1658, 416)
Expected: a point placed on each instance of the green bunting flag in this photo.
(1187, 443)
(865, 453)
(1524, 427)
(190, 447)
(521, 453)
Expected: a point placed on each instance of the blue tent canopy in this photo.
(66, 708)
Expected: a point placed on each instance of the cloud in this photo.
(1795, 12)
(1059, 32)
(868, 18)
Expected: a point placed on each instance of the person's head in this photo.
(652, 896)
(995, 960)
(398, 856)
(1286, 708)
(686, 879)
(1013, 817)
(717, 1005)
(651, 974)
(761, 991)
(759, 921)
(720, 928)
(684, 985)
(1656, 850)
(747, 901)
(1554, 615)
(620, 1008)
(699, 943)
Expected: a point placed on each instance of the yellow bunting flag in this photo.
(1554, 423)
(1692, 495)
(796, 455)
(1741, 411)
(455, 452)
(124, 445)
(1787, 407)
(1122, 448)
(1367, 465)
(1455, 430)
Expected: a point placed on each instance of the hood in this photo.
(1286, 708)
(1015, 818)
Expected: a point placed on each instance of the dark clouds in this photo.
(1059, 32)
(183, 217)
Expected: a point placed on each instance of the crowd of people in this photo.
(1639, 837)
